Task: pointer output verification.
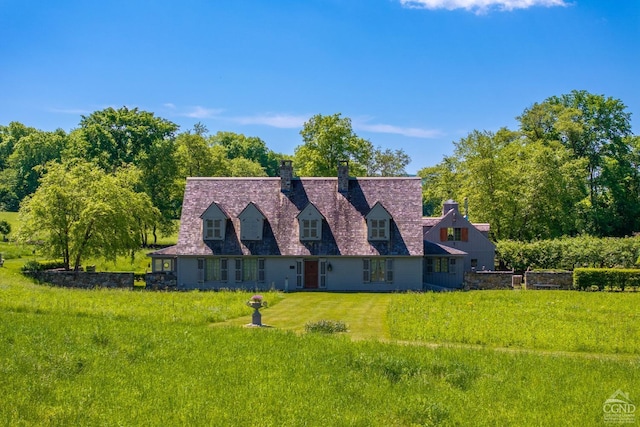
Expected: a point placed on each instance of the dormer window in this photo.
(378, 223)
(213, 229)
(309, 229)
(214, 223)
(378, 229)
(310, 222)
(251, 223)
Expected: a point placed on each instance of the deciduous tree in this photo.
(327, 140)
(79, 211)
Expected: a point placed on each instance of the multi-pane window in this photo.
(250, 269)
(247, 269)
(454, 234)
(378, 229)
(377, 270)
(162, 264)
(441, 265)
(213, 269)
(309, 229)
(213, 229)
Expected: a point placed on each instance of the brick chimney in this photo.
(343, 176)
(286, 175)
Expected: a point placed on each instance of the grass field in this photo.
(113, 357)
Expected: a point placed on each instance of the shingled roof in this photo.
(344, 231)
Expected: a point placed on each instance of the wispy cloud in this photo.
(198, 112)
(283, 121)
(480, 6)
(397, 130)
(74, 111)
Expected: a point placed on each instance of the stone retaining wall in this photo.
(561, 279)
(161, 281)
(85, 280)
(487, 280)
(533, 280)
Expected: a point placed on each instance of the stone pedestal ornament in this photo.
(256, 302)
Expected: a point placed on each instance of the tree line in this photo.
(116, 182)
(571, 168)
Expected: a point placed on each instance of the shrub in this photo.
(569, 252)
(33, 265)
(326, 326)
(605, 278)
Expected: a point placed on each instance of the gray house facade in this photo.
(287, 233)
(453, 246)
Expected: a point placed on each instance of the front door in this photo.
(311, 274)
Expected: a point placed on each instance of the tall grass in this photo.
(69, 369)
(549, 320)
(114, 357)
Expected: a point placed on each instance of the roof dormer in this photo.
(378, 223)
(214, 222)
(251, 222)
(310, 223)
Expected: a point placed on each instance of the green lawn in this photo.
(364, 314)
(120, 357)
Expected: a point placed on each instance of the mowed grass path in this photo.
(555, 322)
(364, 314)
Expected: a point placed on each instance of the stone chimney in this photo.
(448, 205)
(343, 176)
(286, 175)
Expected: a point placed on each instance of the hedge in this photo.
(605, 278)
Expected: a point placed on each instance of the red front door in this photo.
(311, 274)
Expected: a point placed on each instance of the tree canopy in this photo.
(79, 210)
(571, 168)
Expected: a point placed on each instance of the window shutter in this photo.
(443, 234)
(224, 269)
(366, 270)
(261, 270)
(238, 269)
(389, 278)
(465, 234)
(200, 270)
(323, 273)
(298, 273)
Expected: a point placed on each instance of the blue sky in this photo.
(416, 75)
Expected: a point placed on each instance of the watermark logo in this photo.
(618, 408)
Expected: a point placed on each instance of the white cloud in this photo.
(480, 6)
(283, 121)
(397, 130)
(169, 105)
(74, 111)
(202, 113)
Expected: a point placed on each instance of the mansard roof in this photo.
(345, 232)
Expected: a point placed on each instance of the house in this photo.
(453, 246)
(336, 234)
